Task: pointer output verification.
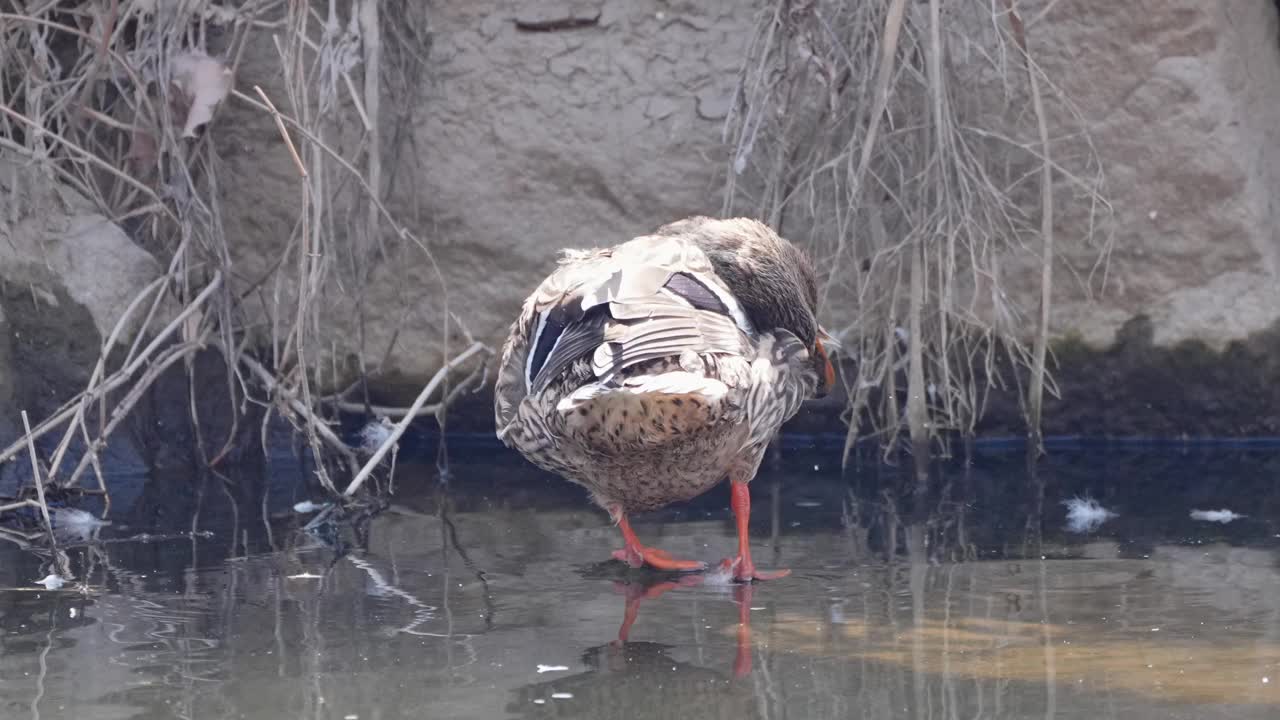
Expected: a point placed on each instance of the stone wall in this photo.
(1180, 98)
(523, 142)
(538, 126)
(548, 125)
(67, 273)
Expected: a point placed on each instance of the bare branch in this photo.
(403, 425)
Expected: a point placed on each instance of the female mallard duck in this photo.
(649, 371)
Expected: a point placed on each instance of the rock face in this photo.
(536, 126)
(66, 276)
(54, 238)
(1180, 100)
(548, 125)
(541, 126)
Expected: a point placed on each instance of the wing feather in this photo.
(650, 298)
(574, 340)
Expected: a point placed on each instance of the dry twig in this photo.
(122, 123)
(860, 127)
(403, 425)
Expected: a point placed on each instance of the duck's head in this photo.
(772, 279)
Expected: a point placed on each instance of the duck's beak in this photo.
(826, 371)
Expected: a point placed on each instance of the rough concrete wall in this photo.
(524, 139)
(525, 142)
(66, 276)
(53, 239)
(535, 141)
(1182, 99)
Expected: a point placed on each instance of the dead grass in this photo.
(904, 141)
(120, 99)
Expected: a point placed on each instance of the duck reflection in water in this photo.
(640, 679)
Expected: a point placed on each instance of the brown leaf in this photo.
(205, 82)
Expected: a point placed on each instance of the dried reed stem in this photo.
(39, 483)
(388, 411)
(21, 504)
(170, 357)
(855, 125)
(74, 409)
(295, 405)
(403, 425)
(135, 160)
(1035, 393)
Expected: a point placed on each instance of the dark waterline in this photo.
(967, 596)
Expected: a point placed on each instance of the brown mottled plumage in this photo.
(650, 371)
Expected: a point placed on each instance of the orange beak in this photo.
(826, 370)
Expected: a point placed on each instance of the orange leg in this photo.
(635, 592)
(635, 554)
(743, 569)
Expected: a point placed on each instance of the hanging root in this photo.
(860, 127)
(129, 120)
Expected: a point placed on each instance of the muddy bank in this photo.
(1138, 389)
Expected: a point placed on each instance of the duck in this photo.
(651, 371)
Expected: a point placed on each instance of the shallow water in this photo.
(490, 596)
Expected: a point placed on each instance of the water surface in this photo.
(490, 596)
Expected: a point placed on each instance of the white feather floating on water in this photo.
(306, 506)
(551, 668)
(1223, 516)
(75, 516)
(75, 524)
(1085, 514)
(373, 435)
(52, 582)
(76, 519)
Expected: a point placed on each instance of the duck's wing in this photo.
(648, 298)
